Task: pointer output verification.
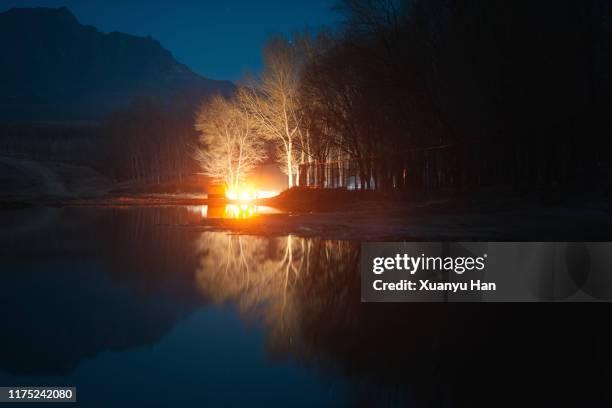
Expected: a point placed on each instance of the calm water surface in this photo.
(149, 307)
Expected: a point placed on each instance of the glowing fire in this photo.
(247, 193)
(241, 193)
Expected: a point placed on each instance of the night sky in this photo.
(220, 40)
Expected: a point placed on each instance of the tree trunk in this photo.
(289, 165)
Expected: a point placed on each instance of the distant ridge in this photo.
(54, 68)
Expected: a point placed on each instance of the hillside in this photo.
(54, 68)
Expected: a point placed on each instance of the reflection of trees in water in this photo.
(274, 279)
(254, 272)
(307, 293)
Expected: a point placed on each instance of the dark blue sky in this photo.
(220, 40)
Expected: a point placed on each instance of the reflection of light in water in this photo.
(263, 209)
(241, 211)
(199, 209)
(231, 211)
(272, 277)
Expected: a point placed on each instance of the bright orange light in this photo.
(247, 193)
(241, 211)
(266, 193)
(243, 194)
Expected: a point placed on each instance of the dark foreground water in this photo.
(149, 307)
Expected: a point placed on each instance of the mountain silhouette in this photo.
(54, 68)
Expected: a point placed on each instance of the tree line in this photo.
(424, 95)
(149, 142)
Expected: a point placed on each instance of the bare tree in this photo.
(274, 102)
(231, 147)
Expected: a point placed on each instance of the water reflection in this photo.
(79, 282)
(307, 293)
(240, 211)
(265, 276)
(232, 211)
(76, 282)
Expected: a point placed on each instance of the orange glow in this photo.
(240, 212)
(247, 193)
(266, 193)
(231, 211)
(242, 193)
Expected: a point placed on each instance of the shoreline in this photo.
(370, 219)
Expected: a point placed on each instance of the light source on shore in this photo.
(241, 193)
(247, 193)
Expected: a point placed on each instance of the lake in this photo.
(154, 307)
